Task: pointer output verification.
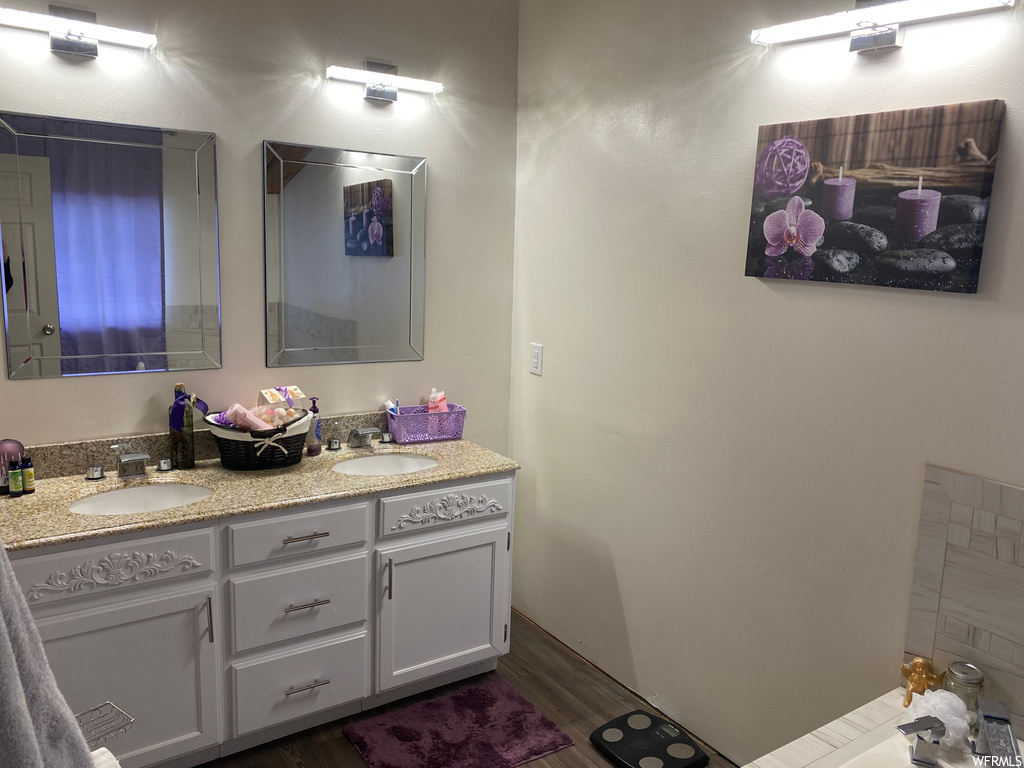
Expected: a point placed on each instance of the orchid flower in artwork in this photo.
(376, 232)
(794, 227)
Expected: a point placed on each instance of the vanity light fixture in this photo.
(874, 17)
(59, 26)
(383, 86)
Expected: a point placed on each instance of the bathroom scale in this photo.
(642, 740)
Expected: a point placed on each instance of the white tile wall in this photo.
(967, 600)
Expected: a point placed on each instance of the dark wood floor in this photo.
(577, 696)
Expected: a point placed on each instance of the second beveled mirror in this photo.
(344, 235)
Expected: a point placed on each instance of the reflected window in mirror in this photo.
(344, 255)
(110, 241)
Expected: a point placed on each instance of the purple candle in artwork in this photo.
(917, 214)
(837, 198)
(351, 225)
(366, 218)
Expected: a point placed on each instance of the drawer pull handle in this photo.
(297, 539)
(391, 578)
(310, 687)
(307, 606)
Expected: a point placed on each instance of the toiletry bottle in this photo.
(315, 439)
(432, 404)
(183, 447)
(10, 449)
(14, 479)
(28, 475)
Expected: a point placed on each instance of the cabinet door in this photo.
(443, 605)
(154, 658)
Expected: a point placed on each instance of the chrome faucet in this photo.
(925, 751)
(360, 438)
(130, 464)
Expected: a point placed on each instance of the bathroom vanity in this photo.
(287, 599)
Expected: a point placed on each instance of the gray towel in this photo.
(37, 729)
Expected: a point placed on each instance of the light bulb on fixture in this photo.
(366, 77)
(64, 27)
(885, 15)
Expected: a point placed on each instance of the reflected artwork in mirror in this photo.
(344, 234)
(110, 248)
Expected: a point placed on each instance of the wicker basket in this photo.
(415, 424)
(261, 448)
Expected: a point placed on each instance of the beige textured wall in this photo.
(251, 70)
(721, 475)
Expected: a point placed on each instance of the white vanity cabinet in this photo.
(131, 621)
(298, 607)
(443, 562)
(444, 604)
(154, 657)
(222, 635)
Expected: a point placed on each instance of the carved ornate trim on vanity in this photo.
(111, 571)
(450, 507)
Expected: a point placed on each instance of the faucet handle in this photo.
(360, 438)
(926, 723)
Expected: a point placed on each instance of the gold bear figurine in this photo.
(919, 678)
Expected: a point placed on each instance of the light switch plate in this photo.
(537, 359)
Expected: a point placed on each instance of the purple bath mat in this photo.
(487, 726)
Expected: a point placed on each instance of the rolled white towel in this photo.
(102, 758)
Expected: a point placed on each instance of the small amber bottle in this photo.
(28, 475)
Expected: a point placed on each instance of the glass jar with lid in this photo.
(966, 681)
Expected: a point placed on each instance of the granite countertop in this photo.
(44, 517)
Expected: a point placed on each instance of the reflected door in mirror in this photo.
(114, 229)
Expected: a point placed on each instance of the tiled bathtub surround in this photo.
(967, 595)
(63, 459)
(308, 330)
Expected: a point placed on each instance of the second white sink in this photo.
(385, 464)
(145, 498)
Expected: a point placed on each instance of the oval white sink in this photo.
(145, 498)
(385, 464)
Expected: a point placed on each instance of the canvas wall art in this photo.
(896, 199)
(369, 219)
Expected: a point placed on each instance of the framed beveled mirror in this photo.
(110, 244)
(344, 236)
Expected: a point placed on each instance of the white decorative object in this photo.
(450, 507)
(112, 570)
(950, 709)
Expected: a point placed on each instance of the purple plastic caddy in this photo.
(414, 424)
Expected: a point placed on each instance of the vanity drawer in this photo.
(270, 608)
(335, 671)
(419, 511)
(298, 533)
(113, 566)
